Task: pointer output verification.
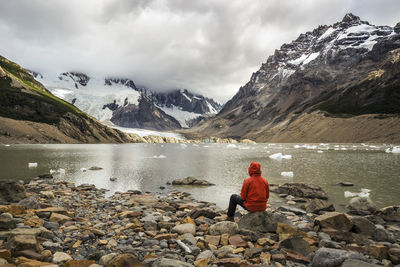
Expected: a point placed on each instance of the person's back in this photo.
(254, 194)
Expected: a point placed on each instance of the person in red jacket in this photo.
(254, 194)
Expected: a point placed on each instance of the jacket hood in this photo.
(255, 169)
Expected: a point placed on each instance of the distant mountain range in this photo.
(29, 113)
(337, 83)
(120, 102)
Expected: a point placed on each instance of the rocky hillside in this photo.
(29, 113)
(114, 99)
(338, 83)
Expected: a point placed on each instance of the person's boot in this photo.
(230, 219)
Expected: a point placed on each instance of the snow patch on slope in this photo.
(181, 116)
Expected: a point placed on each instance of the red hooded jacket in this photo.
(255, 189)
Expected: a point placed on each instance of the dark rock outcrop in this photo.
(191, 181)
(11, 191)
(302, 190)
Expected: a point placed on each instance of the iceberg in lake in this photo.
(287, 174)
(32, 164)
(394, 150)
(280, 156)
(364, 193)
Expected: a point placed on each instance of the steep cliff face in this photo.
(144, 115)
(29, 113)
(348, 69)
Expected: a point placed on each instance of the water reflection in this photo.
(146, 167)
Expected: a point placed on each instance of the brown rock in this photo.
(286, 231)
(59, 218)
(32, 255)
(165, 236)
(25, 262)
(201, 262)
(295, 256)
(265, 258)
(377, 251)
(78, 263)
(238, 250)
(281, 258)
(394, 255)
(13, 209)
(237, 240)
(189, 220)
(335, 220)
(125, 260)
(265, 241)
(296, 244)
(22, 242)
(130, 214)
(212, 239)
(230, 262)
(224, 239)
(5, 254)
(34, 222)
(62, 211)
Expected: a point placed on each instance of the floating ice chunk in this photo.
(287, 174)
(231, 146)
(320, 151)
(395, 150)
(32, 164)
(280, 156)
(364, 193)
(183, 146)
(311, 147)
(296, 146)
(159, 157)
(323, 144)
(83, 169)
(6, 145)
(52, 171)
(61, 171)
(343, 148)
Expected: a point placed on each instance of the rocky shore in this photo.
(47, 223)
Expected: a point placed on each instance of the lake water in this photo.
(146, 167)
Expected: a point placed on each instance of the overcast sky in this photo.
(207, 46)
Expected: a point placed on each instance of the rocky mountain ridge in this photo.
(345, 70)
(114, 99)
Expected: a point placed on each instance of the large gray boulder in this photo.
(302, 190)
(261, 221)
(318, 205)
(363, 226)
(220, 228)
(361, 206)
(11, 191)
(335, 220)
(330, 257)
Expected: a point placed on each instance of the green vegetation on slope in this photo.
(35, 104)
(365, 98)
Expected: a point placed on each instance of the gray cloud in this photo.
(210, 47)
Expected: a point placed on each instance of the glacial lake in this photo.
(146, 167)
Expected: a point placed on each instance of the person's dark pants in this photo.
(233, 202)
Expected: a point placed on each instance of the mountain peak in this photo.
(350, 17)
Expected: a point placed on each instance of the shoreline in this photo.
(58, 223)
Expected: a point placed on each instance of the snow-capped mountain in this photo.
(304, 91)
(118, 101)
